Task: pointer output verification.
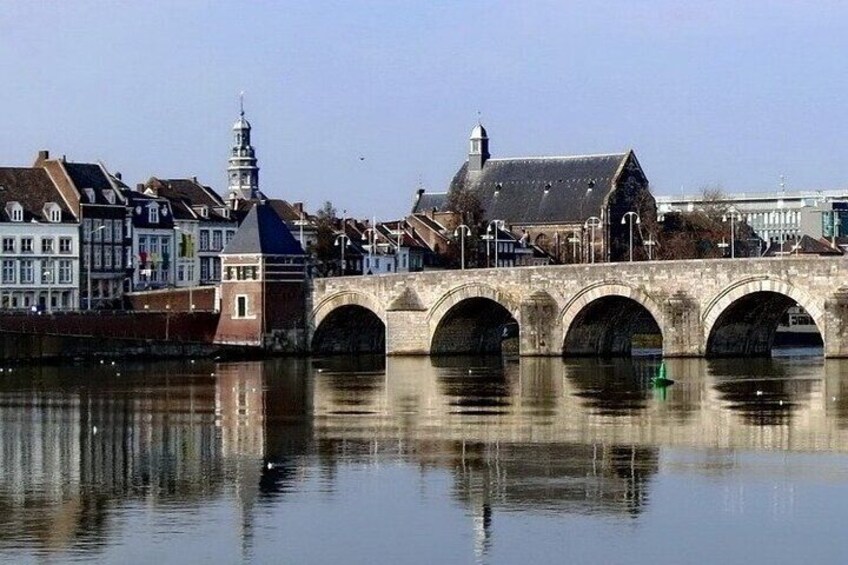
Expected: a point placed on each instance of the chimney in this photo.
(298, 206)
(139, 187)
(118, 175)
(420, 193)
(194, 180)
(43, 155)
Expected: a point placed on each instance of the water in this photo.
(413, 460)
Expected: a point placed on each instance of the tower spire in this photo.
(242, 172)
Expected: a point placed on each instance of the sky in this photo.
(361, 103)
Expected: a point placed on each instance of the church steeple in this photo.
(478, 152)
(243, 173)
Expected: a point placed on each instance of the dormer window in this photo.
(153, 214)
(52, 212)
(89, 194)
(109, 195)
(204, 211)
(15, 211)
(225, 212)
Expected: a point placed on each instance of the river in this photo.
(420, 460)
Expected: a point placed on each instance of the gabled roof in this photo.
(805, 246)
(190, 193)
(544, 189)
(32, 188)
(263, 232)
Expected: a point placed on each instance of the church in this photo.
(574, 206)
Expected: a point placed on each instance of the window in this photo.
(8, 245)
(107, 230)
(8, 271)
(107, 258)
(26, 272)
(153, 214)
(89, 194)
(64, 245)
(241, 306)
(26, 245)
(47, 245)
(204, 268)
(117, 230)
(15, 211)
(65, 272)
(230, 235)
(86, 255)
(97, 258)
(47, 272)
(204, 240)
(119, 257)
(180, 273)
(142, 244)
(217, 240)
(98, 233)
(86, 230)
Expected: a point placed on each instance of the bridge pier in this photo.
(681, 326)
(538, 326)
(835, 330)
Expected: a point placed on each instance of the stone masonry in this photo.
(700, 307)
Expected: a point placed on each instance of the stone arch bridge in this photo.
(697, 307)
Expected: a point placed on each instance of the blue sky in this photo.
(727, 93)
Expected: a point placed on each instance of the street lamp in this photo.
(191, 282)
(592, 223)
(345, 240)
(47, 274)
(724, 245)
(499, 225)
(370, 236)
(90, 236)
(462, 231)
(733, 216)
(631, 217)
(574, 240)
(650, 243)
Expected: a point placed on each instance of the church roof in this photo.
(262, 231)
(428, 201)
(539, 190)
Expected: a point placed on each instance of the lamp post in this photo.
(369, 235)
(47, 273)
(631, 217)
(724, 245)
(499, 224)
(732, 216)
(344, 239)
(592, 223)
(574, 240)
(300, 223)
(191, 282)
(90, 236)
(462, 231)
(650, 243)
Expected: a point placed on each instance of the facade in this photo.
(94, 199)
(205, 223)
(39, 243)
(263, 291)
(776, 216)
(152, 237)
(552, 197)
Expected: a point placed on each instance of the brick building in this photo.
(263, 288)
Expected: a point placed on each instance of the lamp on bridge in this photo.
(342, 241)
(592, 223)
(631, 217)
(498, 225)
(462, 231)
(732, 216)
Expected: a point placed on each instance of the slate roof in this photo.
(88, 175)
(32, 188)
(189, 193)
(428, 201)
(263, 231)
(539, 190)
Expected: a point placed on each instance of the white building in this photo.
(39, 243)
(774, 216)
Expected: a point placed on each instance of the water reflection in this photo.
(84, 447)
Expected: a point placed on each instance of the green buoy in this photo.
(659, 380)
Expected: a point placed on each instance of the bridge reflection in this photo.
(536, 435)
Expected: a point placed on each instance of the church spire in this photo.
(243, 172)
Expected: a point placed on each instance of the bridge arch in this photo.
(742, 319)
(602, 319)
(348, 322)
(472, 318)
